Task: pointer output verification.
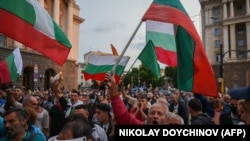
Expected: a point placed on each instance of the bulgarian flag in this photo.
(11, 67)
(162, 35)
(194, 71)
(148, 57)
(28, 22)
(98, 65)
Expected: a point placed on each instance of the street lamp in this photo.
(221, 80)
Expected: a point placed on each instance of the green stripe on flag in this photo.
(20, 8)
(12, 67)
(165, 41)
(173, 3)
(93, 69)
(60, 35)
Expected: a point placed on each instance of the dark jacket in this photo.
(202, 119)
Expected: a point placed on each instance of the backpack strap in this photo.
(32, 136)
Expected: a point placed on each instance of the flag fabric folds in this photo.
(114, 51)
(162, 36)
(98, 65)
(11, 67)
(28, 22)
(148, 58)
(194, 71)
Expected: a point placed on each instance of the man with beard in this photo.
(158, 112)
(18, 127)
(231, 117)
(242, 93)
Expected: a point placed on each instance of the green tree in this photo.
(171, 73)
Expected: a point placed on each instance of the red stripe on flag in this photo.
(25, 33)
(4, 73)
(98, 76)
(166, 56)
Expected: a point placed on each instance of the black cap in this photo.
(240, 93)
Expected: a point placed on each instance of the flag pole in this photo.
(130, 67)
(126, 47)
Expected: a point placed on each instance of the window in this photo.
(2, 40)
(216, 10)
(239, 8)
(217, 31)
(216, 20)
(241, 55)
(218, 57)
(240, 30)
(81, 77)
(217, 43)
(241, 42)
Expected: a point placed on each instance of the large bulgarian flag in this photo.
(162, 36)
(98, 65)
(11, 67)
(28, 22)
(194, 71)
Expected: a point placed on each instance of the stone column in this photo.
(247, 7)
(224, 9)
(69, 25)
(56, 11)
(231, 8)
(248, 38)
(226, 40)
(232, 41)
(41, 2)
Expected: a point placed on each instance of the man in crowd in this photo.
(157, 112)
(243, 93)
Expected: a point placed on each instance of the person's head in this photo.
(142, 98)
(103, 113)
(163, 100)
(217, 104)
(246, 115)
(157, 114)
(30, 101)
(241, 108)
(16, 122)
(18, 92)
(85, 98)
(226, 98)
(194, 106)
(83, 110)
(175, 119)
(74, 96)
(76, 127)
(242, 93)
(174, 98)
(10, 97)
(150, 95)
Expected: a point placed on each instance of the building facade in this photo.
(226, 37)
(66, 14)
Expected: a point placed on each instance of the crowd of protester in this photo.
(92, 114)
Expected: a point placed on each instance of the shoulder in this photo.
(98, 128)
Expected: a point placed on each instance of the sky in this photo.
(115, 21)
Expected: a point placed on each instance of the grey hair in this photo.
(26, 100)
(172, 115)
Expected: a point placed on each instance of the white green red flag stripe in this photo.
(162, 36)
(11, 67)
(98, 65)
(194, 71)
(28, 22)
